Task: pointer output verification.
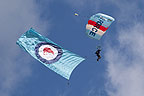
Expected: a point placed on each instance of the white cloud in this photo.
(126, 63)
(127, 11)
(16, 17)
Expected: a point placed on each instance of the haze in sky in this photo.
(118, 73)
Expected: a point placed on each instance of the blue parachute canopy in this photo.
(97, 25)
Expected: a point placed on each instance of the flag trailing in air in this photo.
(49, 53)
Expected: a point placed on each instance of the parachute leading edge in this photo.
(49, 53)
(97, 25)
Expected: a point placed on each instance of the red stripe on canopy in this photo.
(97, 25)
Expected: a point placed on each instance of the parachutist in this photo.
(98, 54)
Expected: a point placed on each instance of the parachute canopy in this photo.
(76, 14)
(97, 25)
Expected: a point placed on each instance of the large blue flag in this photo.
(49, 53)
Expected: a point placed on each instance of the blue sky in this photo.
(119, 72)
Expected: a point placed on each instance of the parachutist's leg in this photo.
(98, 58)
